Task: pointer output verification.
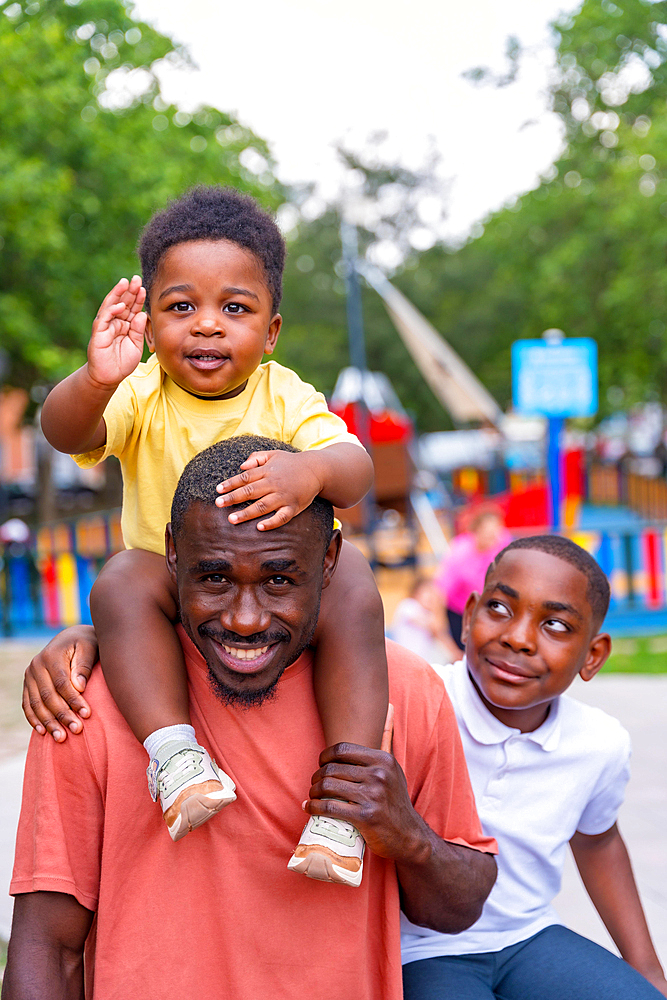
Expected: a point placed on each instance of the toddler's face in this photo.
(530, 633)
(211, 318)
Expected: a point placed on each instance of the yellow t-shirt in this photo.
(154, 427)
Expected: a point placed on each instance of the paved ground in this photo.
(639, 701)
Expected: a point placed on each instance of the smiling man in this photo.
(219, 914)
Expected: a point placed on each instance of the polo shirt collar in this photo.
(486, 729)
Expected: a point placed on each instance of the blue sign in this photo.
(557, 378)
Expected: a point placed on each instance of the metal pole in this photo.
(554, 470)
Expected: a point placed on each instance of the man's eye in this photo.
(279, 580)
(214, 578)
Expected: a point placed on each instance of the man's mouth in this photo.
(244, 659)
(207, 360)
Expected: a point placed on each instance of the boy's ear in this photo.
(148, 335)
(598, 654)
(272, 335)
(471, 604)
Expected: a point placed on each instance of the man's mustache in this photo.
(227, 638)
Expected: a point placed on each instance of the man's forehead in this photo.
(206, 528)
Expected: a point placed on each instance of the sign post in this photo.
(555, 378)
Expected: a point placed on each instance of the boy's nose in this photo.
(519, 635)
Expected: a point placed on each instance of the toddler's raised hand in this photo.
(281, 481)
(117, 340)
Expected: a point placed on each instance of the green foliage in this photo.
(88, 150)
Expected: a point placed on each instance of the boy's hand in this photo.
(280, 481)
(54, 681)
(117, 340)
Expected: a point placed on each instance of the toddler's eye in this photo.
(180, 307)
(235, 308)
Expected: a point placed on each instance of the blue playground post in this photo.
(554, 471)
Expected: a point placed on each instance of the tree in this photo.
(88, 150)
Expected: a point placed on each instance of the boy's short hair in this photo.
(223, 460)
(597, 593)
(214, 213)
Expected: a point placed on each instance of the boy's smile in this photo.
(529, 634)
(211, 318)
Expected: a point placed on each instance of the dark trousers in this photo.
(555, 964)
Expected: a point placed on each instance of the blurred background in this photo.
(449, 182)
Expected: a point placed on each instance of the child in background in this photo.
(547, 771)
(212, 267)
(419, 624)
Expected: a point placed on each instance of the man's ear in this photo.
(272, 335)
(148, 334)
(597, 656)
(170, 553)
(331, 557)
(471, 604)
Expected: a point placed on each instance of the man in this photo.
(218, 914)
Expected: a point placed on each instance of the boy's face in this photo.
(529, 634)
(211, 318)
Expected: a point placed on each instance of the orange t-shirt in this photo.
(218, 915)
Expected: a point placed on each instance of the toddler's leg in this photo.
(133, 606)
(352, 692)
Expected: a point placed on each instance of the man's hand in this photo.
(367, 788)
(117, 340)
(280, 481)
(55, 679)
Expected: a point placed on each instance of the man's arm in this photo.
(605, 869)
(443, 885)
(45, 956)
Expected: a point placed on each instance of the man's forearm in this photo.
(443, 885)
(38, 973)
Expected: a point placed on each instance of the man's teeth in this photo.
(244, 654)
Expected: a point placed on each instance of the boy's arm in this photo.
(287, 482)
(45, 956)
(605, 869)
(72, 413)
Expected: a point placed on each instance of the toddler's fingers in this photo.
(256, 459)
(282, 516)
(244, 480)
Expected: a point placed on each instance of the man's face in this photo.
(249, 600)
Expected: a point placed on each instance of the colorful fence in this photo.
(48, 585)
(635, 561)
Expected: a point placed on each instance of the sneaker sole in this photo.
(318, 865)
(194, 807)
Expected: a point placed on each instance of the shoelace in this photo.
(328, 825)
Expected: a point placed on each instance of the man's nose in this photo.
(245, 614)
(520, 634)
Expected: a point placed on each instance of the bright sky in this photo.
(304, 74)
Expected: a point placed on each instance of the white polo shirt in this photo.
(533, 792)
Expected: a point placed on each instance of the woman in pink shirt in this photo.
(464, 567)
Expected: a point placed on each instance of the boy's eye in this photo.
(556, 625)
(498, 608)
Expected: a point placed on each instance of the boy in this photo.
(212, 267)
(546, 771)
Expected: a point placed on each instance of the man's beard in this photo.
(253, 697)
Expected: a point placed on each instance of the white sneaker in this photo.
(330, 850)
(190, 785)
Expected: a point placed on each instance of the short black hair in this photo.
(214, 213)
(222, 461)
(597, 592)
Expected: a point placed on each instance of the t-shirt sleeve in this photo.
(601, 811)
(119, 418)
(436, 771)
(314, 426)
(59, 839)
